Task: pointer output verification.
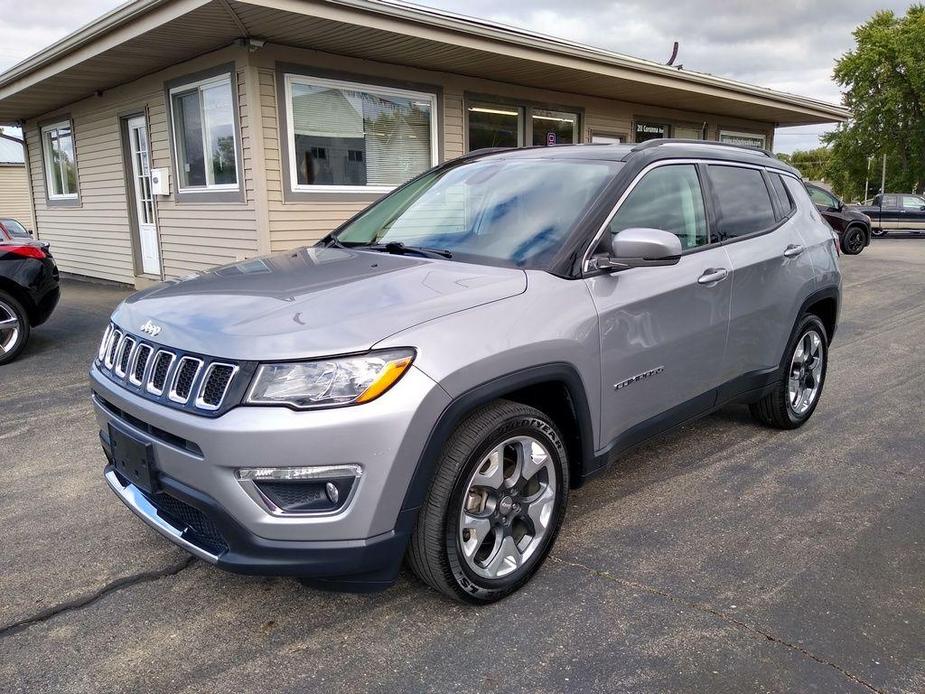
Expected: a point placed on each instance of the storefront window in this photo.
(501, 125)
(554, 127)
(357, 137)
(495, 126)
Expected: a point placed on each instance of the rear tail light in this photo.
(25, 251)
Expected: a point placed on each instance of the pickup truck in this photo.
(895, 211)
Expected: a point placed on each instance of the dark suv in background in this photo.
(851, 224)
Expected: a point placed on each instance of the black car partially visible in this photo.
(851, 225)
(29, 292)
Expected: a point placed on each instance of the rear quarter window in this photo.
(784, 201)
(743, 201)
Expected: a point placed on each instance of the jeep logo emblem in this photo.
(151, 328)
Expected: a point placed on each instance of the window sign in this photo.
(554, 127)
(650, 131)
(744, 139)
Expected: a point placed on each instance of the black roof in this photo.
(652, 150)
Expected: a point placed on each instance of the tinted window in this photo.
(15, 229)
(667, 198)
(783, 197)
(820, 197)
(913, 202)
(742, 199)
(890, 201)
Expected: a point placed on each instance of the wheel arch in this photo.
(22, 296)
(824, 304)
(555, 388)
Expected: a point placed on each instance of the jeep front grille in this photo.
(175, 378)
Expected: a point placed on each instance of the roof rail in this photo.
(662, 141)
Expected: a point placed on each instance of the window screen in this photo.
(667, 198)
(742, 199)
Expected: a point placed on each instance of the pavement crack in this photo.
(85, 601)
(602, 573)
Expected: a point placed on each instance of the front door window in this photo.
(139, 150)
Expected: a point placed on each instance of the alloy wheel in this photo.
(855, 242)
(9, 328)
(507, 509)
(805, 379)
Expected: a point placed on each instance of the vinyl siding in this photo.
(294, 223)
(14, 194)
(95, 239)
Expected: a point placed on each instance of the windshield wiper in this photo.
(398, 248)
(332, 240)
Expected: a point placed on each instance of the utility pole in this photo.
(883, 176)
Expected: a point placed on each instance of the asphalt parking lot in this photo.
(722, 557)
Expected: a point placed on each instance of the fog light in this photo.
(331, 489)
(300, 490)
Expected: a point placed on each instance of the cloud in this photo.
(789, 45)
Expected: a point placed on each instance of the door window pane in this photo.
(495, 126)
(913, 202)
(350, 135)
(554, 127)
(204, 135)
(668, 198)
(820, 197)
(743, 201)
(786, 202)
(60, 161)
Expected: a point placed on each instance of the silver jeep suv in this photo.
(433, 378)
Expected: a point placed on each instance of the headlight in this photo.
(329, 382)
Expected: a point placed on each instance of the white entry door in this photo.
(144, 198)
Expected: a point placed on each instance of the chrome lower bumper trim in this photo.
(143, 508)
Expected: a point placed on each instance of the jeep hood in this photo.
(310, 302)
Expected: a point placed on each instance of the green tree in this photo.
(812, 163)
(884, 83)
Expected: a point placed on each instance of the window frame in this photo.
(52, 198)
(294, 186)
(709, 202)
(708, 215)
(225, 76)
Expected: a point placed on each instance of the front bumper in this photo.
(197, 457)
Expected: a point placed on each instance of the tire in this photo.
(472, 488)
(780, 408)
(12, 339)
(853, 240)
(879, 233)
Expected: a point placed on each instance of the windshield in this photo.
(514, 211)
(15, 229)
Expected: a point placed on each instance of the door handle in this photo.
(713, 275)
(793, 250)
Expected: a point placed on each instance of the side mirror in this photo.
(638, 247)
(29, 231)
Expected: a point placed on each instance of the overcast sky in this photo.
(788, 45)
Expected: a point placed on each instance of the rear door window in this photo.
(785, 202)
(891, 202)
(743, 202)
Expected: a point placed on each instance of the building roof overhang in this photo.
(145, 36)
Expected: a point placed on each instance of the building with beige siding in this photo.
(171, 136)
(15, 199)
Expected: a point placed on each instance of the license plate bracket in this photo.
(133, 459)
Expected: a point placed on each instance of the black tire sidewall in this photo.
(853, 231)
(808, 322)
(472, 587)
(23, 328)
